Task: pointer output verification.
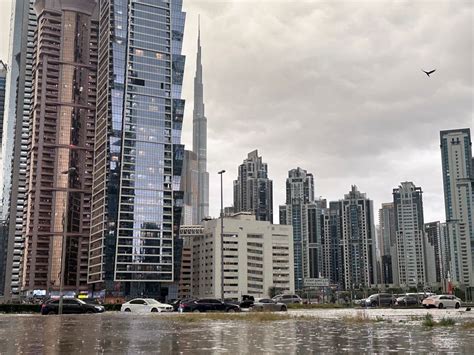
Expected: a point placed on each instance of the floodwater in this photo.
(323, 332)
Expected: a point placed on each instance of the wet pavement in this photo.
(298, 332)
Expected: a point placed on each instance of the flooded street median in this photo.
(294, 332)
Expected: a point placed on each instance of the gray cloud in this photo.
(334, 87)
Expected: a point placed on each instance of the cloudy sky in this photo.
(334, 87)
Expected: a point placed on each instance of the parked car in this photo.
(267, 304)
(176, 303)
(442, 301)
(360, 302)
(408, 300)
(208, 305)
(288, 299)
(145, 305)
(70, 306)
(247, 301)
(380, 300)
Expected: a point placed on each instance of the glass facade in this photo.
(139, 155)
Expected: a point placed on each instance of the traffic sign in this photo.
(313, 282)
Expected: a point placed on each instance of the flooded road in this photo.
(298, 332)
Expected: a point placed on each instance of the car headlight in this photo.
(99, 308)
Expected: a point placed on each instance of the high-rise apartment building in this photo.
(3, 86)
(409, 224)
(56, 223)
(458, 182)
(200, 139)
(331, 244)
(358, 241)
(18, 104)
(387, 245)
(253, 190)
(136, 205)
(299, 200)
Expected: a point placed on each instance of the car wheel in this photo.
(457, 306)
(231, 310)
(440, 306)
(51, 312)
(128, 310)
(373, 304)
(196, 311)
(154, 310)
(283, 309)
(90, 311)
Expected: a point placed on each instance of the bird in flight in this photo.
(428, 72)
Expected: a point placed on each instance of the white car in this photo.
(442, 301)
(145, 305)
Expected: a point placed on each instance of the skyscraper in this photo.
(387, 247)
(299, 199)
(434, 237)
(18, 104)
(136, 206)
(409, 223)
(189, 186)
(458, 182)
(200, 138)
(358, 240)
(332, 265)
(253, 190)
(61, 146)
(3, 84)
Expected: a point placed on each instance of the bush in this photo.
(446, 322)
(428, 321)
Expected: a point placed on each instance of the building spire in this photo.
(200, 135)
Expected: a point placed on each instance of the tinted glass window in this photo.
(287, 296)
(137, 302)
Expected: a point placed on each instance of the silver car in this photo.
(267, 304)
(288, 299)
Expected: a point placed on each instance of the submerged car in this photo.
(288, 299)
(267, 304)
(442, 301)
(208, 305)
(70, 306)
(145, 305)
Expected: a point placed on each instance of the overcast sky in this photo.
(334, 87)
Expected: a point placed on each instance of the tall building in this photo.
(388, 248)
(331, 244)
(299, 200)
(434, 253)
(3, 87)
(409, 224)
(136, 205)
(358, 241)
(61, 146)
(253, 190)
(458, 181)
(18, 104)
(200, 138)
(189, 186)
(257, 255)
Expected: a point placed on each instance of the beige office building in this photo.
(258, 256)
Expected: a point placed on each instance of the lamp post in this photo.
(221, 173)
(63, 246)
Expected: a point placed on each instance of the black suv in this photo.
(70, 306)
(208, 305)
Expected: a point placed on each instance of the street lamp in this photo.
(221, 173)
(63, 246)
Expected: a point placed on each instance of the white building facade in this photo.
(258, 256)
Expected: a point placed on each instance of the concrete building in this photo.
(388, 245)
(258, 255)
(458, 182)
(136, 205)
(299, 198)
(358, 241)
(16, 124)
(56, 223)
(409, 224)
(253, 190)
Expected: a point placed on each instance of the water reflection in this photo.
(125, 333)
